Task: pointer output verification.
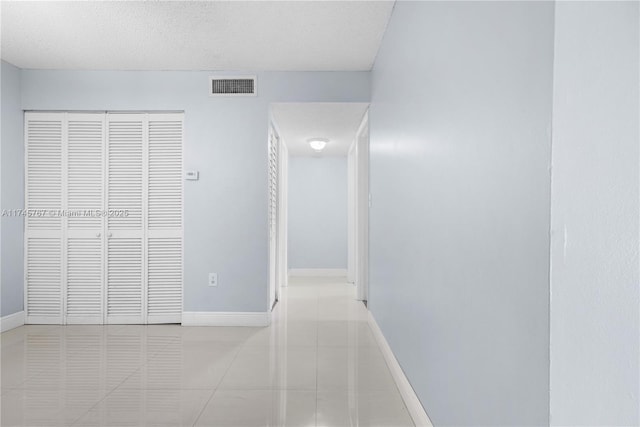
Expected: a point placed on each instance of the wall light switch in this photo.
(213, 279)
(192, 175)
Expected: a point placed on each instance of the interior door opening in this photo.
(318, 193)
(361, 209)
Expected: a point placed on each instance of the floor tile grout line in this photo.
(213, 393)
(145, 363)
(104, 397)
(116, 387)
(217, 387)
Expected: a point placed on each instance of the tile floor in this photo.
(317, 365)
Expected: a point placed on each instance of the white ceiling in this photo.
(337, 122)
(194, 35)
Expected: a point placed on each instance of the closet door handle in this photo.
(99, 234)
(110, 235)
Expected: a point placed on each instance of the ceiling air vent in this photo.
(233, 86)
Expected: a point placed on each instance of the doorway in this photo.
(318, 197)
(361, 205)
(278, 168)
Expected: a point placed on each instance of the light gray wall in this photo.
(226, 140)
(317, 212)
(12, 192)
(595, 304)
(459, 229)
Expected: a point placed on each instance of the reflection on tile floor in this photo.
(318, 364)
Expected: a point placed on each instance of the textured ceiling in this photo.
(337, 122)
(194, 35)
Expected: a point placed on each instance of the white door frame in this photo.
(272, 231)
(283, 207)
(351, 213)
(362, 197)
(278, 268)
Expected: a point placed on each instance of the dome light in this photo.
(318, 144)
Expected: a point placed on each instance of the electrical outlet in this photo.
(213, 279)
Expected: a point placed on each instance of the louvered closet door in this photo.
(44, 136)
(83, 266)
(164, 251)
(126, 178)
(85, 202)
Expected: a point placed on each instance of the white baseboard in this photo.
(11, 321)
(318, 272)
(212, 318)
(411, 401)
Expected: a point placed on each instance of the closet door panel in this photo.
(44, 136)
(164, 234)
(126, 148)
(85, 205)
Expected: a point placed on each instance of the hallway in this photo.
(317, 364)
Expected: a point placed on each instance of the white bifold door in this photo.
(103, 234)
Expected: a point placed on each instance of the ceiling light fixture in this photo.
(318, 144)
